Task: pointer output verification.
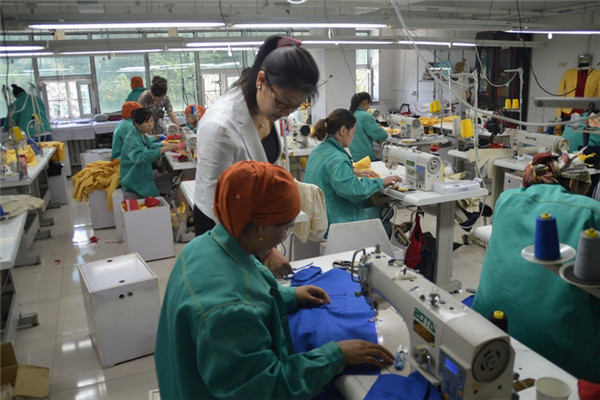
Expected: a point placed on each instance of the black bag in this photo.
(428, 255)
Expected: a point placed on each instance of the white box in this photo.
(512, 181)
(122, 305)
(58, 188)
(149, 231)
(450, 186)
(117, 199)
(91, 155)
(102, 217)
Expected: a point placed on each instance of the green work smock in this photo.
(137, 156)
(23, 109)
(367, 130)
(576, 138)
(223, 330)
(558, 320)
(330, 167)
(121, 131)
(135, 94)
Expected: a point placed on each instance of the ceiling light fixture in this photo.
(224, 44)
(128, 25)
(593, 32)
(92, 52)
(21, 48)
(294, 25)
(296, 1)
(355, 42)
(46, 53)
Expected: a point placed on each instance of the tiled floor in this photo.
(61, 341)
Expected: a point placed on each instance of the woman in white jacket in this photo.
(240, 124)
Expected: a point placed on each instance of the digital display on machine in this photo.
(410, 163)
(450, 366)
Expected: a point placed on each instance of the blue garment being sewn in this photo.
(398, 387)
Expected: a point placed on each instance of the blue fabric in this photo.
(397, 387)
(347, 317)
(305, 275)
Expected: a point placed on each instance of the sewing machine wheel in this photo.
(561, 145)
(491, 361)
(433, 165)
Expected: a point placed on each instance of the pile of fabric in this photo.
(99, 175)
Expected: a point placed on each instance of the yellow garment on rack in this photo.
(428, 121)
(59, 154)
(29, 154)
(99, 175)
(568, 83)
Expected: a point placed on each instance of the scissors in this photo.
(400, 357)
(341, 264)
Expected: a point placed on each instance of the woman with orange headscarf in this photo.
(223, 330)
(123, 128)
(193, 113)
(137, 88)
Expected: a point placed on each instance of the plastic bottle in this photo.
(499, 319)
(23, 165)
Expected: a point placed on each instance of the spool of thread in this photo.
(507, 103)
(546, 245)
(586, 266)
(499, 319)
(466, 128)
(435, 106)
(515, 104)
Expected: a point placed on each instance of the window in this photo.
(18, 71)
(68, 98)
(367, 62)
(179, 69)
(113, 75)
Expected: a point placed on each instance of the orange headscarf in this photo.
(128, 108)
(136, 82)
(257, 192)
(195, 109)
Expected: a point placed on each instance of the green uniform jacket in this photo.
(330, 168)
(223, 330)
(554, 318)
(23, 110)
(137, 156)
(135, 94)
(367, 130)
(576, 138)
(121, 131)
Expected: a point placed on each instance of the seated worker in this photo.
(137, 155)
(558, 320)
(193, 113)
(137, 88)
(123, 128)
(330, 167)
(367, 129)
(223, 330)
(22, 111)
(576, 138)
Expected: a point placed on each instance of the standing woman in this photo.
(137, 155)
(240, 124)
(157, 101)
(22, 110)
(330, 168)
(367, 129)
(137, 88)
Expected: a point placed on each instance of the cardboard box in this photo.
(102, 217)
(149, 232)
(122, 306)
(91, 155)
(26, 380)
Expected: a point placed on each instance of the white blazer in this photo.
(225, 135)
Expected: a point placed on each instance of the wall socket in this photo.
(563, 64)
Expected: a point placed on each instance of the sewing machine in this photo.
(189, 139)
(409, 126)
(423, 170)
(299, 132)
(452, 346)
(544, 142)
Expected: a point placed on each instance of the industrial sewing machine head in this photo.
(409, 126)
(189, 139)
(544, 142)
(299, 132)
(452, 346)
(423, 170)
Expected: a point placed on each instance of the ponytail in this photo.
(333, 123)
(357, 99)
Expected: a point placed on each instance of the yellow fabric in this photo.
(31, 157)
(59, 154)
(99, 175)
(365, 163)
(569, 82)
(428, 121)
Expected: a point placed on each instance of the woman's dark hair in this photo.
(17, 90)
(330, 125)
(286, 64)
(140, 115)
(357, 99)
(159, 86)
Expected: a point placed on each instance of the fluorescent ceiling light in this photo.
(283, 25)
(462, 44)
(20, 48)
(92, 52)
(296, 1)
(128, 25)
(46, 53)
(224, 44)
(555, 32)
(423, 42)
(337, 42)
(216, 48)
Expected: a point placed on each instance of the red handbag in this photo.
(413, 255)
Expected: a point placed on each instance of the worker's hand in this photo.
(364, 352)
(278, 264)
(391, 180)
(169, 147)
(367, 173)
(311, 296)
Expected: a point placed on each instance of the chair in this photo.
(355, 235)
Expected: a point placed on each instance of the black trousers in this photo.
(202, 223)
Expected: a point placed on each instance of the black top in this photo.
(272, 146)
